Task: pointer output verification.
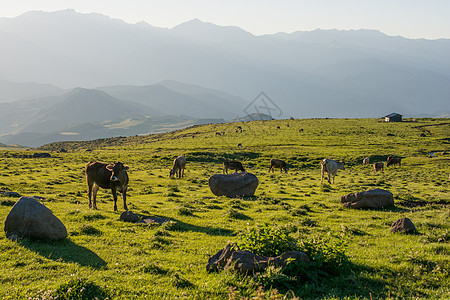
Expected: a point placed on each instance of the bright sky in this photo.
(428, 19)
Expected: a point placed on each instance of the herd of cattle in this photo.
(115, 177)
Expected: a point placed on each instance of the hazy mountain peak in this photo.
(198, 29)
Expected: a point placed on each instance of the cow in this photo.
(179, 164)
(239, 145)
(365, 161)
(331, 167)
(232, 165)
(378, 166)
(391, 161)
(278, 127)
(278, 163)
(107, 176)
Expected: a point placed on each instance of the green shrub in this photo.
(79, 289)
(267, 240)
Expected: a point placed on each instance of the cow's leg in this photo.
(114, 193)
(90, 184)
(182, 172)
(124, 197)
(321, 175)
(329, 178)
(94, 194)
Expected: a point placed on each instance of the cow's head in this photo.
(171, 173)
(116, 169)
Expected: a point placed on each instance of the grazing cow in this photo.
(365, 161)
(232, 165)
(218, 133)
(391, 161)
(239, 145)
(278, 163)
(278, 127)
(107, 176)
(331, 167)
(300, 130)
(378, 166)
(179, 164)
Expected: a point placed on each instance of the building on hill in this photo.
(393, 117)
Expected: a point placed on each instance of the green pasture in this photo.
(103, 257)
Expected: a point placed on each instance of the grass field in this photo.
(105, 257)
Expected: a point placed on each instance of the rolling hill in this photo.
(83, 114)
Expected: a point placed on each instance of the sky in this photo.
(427, 19)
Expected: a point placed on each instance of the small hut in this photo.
(394, 117)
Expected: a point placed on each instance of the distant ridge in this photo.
(254, 117)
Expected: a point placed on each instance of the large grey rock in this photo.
(29, 218)
(246, 262)
(372, 199)
(403, 225)
(233, 185)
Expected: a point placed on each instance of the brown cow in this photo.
(232, 165)
(278, 163)
(378, 166)
(107, 176)
(391, 161)
(179, 164)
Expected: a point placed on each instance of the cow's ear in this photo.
(109, 167)
(126, 168)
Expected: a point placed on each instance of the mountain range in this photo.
(198, 70)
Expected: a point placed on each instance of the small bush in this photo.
(184, 211)
(234, 214)
(94, 216)
(79, 289)
(90, 230)
(267, 240)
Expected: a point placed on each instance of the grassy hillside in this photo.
(106, 257)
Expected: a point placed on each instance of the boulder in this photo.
(29, 218)
(372, 199)
(403, 225)
(129, 216)
(246, 262)
(233, 185)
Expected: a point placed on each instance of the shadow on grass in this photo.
(172, 224)
(349, 281)
(65, 251)
(176, 225)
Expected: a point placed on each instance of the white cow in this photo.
(330, 166)
(365, 161)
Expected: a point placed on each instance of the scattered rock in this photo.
(233, 185)
(129, 216)
(403, 225)
(29, 218)
(246, 262)
(371, 199)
